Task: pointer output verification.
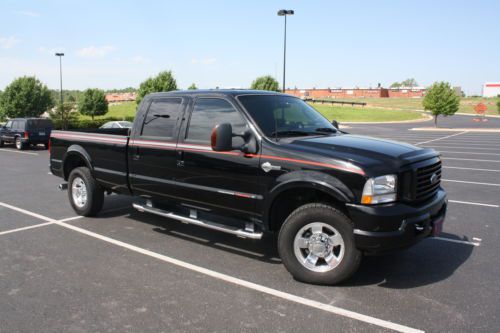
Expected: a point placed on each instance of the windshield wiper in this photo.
(291, 133)
(326, 130)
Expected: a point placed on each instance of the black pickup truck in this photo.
(252, 162)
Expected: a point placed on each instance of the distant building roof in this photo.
(121, 97)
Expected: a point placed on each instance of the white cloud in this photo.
(29, 13)
(8, 42)
(94, 51)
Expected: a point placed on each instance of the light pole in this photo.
(60, 55)
(284, 12)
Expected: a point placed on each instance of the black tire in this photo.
(95, 194)
(19, 144)
(46, 146)
(312, 213)
(1, 143)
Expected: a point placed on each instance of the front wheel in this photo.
(316, 245)
(85, 195)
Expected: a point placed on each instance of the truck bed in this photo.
(105, 149)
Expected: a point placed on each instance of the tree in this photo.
(93, 103)
(192, 87)
(164, 81)
(410, 83)
(441, 99)
(25, 97)
(498, 105)
(265, 83)
(64, 115)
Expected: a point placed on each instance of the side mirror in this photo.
(335, 124)
(222, 137)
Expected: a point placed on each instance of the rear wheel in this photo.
(316, 245)
(46, 145)
(1, 143)
(85, 195)
(19, 144)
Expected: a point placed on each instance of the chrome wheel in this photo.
(319, 247)
(79, 192)
(18, 143)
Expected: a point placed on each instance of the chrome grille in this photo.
(427, 181)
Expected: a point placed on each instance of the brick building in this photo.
(339, 93)
(121, 97)
(403, 92)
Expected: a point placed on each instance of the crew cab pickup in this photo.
(253, 162)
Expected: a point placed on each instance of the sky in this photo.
(227, 44)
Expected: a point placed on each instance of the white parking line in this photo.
(38, 225)
(467, 182)
(455, 241)
(474, 169)
(444, 137)
(474, 203)
(469, 159)
(230, 279)
(468, 144)
(19, 152)
(458, 147)
(466, 152)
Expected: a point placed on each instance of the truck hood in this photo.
(378, 155)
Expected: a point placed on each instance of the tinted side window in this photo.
(162, 117)
(209, 112)
(9, 124)
(16, 125)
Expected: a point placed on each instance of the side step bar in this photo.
(243, 233)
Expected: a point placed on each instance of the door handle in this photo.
(135, 154)
(266, 166)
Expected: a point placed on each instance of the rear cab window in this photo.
(207, 113)
(162, 119)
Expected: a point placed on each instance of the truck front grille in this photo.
(427, 181)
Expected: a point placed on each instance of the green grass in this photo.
(122, 110)
(339, 113)
(364, 114)
(466, 104)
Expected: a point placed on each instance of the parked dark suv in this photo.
(24, 132)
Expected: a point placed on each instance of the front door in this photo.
(7, 131)
(227, 181)
(152, 149)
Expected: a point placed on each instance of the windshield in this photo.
(280, 116)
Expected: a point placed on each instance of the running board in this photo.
(248, 232)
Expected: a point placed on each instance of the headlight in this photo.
(380, 190)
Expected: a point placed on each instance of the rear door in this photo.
(218, 181)
(39, 130)
(152, 149)
(18, 128)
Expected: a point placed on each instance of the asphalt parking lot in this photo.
(125, 271)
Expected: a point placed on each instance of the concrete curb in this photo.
(433, 129)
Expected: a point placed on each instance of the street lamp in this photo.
(284, 12)
(60, 55)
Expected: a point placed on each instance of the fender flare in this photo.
(316, 180)
(79, 151)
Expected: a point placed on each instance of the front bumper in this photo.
(384, 228)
